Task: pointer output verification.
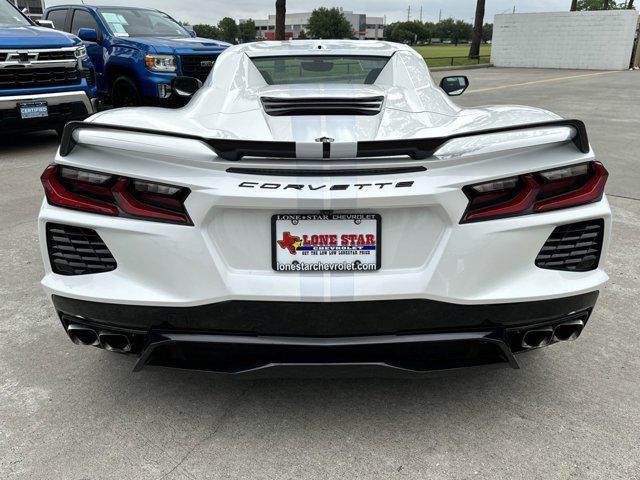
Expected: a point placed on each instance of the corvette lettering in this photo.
(314, 187)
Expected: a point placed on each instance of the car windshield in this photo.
(350, 69)
(127, 22)
(10, 17)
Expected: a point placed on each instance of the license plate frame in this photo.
(317, 250)
(30, 110)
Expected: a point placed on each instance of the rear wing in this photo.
(235, 149)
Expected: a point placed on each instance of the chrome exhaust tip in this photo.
(115, 342)
(568, 331)
(81, 335)
(539, 337)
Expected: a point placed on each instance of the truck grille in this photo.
(56, 55)
(38, 77)
(197, 66)
(574, 248)
(77, 251)
(322, 106)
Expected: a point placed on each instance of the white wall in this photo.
(585, 40)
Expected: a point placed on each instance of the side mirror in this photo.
(193, 33)
(88, 35)
(454, 86)
(185, 86)
(45, 23)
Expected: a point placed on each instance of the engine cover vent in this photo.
(322, 106)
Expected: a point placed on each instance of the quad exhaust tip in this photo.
(115, 342)
(568, 331)
(81, 335)
(539, 337)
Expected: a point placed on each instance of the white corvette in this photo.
(324, 203)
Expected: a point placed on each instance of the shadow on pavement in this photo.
(16, 142)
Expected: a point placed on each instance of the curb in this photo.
(461, 67)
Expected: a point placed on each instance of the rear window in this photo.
(350, 69)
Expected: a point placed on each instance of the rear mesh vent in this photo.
(575, 247)
(77, 251)
(322, 106)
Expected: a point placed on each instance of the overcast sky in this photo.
(211, 11)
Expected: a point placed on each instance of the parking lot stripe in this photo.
(546, 80)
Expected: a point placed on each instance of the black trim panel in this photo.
(315, 172)
(418, 149)
(238, 354)
(325, 319)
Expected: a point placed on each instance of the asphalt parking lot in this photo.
(572, 411)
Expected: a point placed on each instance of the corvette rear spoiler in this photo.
(416, 148)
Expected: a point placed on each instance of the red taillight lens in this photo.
(535, 192)
(106, 194)
(568, 192)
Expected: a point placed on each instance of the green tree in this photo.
(487, 32)
(228, 29)
(329, 23)
(600, 5)
(444, 29)
(462, 31)
(247, 31)
(429, 31)
(302, 35)
(407, 32)
(207, 31)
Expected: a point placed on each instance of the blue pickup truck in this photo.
(136, 52)
(46, 77)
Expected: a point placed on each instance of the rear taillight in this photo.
(114, 195)
(535, 192)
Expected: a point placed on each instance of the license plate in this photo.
(332, 242)
(33, 110)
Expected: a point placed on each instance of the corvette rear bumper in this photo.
(403, 335)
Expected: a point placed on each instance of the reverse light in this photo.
(497, 185)
(114, 195)
(160, 63)
(536, 192)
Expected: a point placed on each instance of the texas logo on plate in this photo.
(330, 242)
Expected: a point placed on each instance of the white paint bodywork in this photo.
(226, 255)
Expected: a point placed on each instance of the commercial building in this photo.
(33, 8)
(364, 26)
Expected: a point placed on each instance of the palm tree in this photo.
(630, 5)
(474, 51)
(606, 4)
(281, 11)
(574, 5)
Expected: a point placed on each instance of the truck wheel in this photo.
(124, 93)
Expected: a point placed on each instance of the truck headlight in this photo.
(81, 52)
(160, 63)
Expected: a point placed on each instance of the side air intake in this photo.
(77, 251)
(574, 248)
(322, 106)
